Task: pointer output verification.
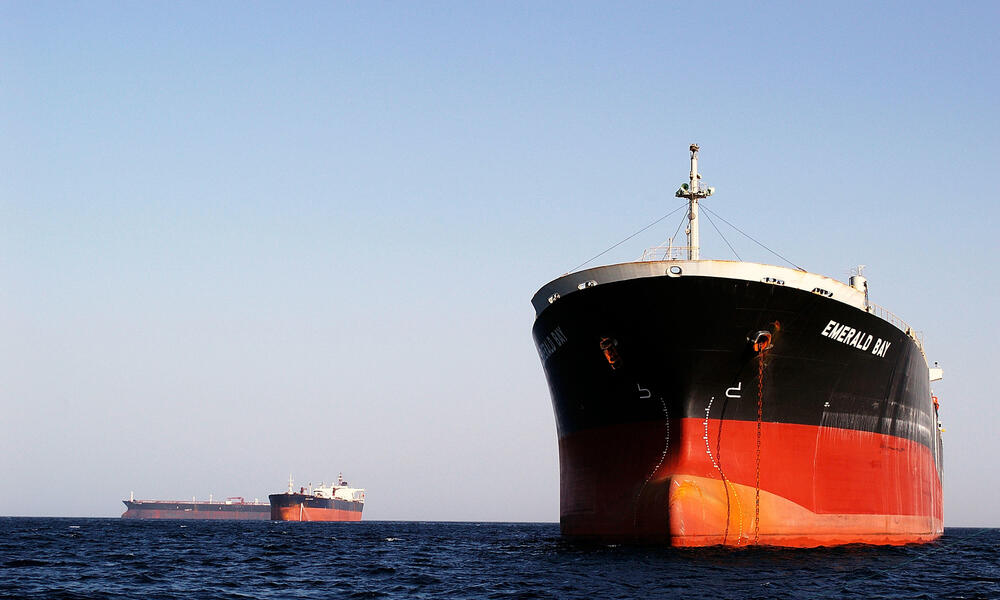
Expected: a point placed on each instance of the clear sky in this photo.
(242, 240)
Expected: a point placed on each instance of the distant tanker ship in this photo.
(334, 502)
(234, 508)
(704, 402)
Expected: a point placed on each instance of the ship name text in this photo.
(551, 343)
(846, 334)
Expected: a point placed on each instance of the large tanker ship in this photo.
(706, 402)
(335, 502)
(233, 508)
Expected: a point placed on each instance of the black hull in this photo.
(663, 365)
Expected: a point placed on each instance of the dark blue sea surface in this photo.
(114, 558)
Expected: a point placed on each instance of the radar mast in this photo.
(693, 192)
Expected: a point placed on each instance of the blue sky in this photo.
(246, 239)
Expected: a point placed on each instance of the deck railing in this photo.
(665, 253)
(887, 315)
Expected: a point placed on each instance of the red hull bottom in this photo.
(818, 486)
(300, 512)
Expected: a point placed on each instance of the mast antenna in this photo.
(693, 192)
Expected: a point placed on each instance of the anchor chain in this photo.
(762, 342)
(760, 420)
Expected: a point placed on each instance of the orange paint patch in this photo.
(699, 508)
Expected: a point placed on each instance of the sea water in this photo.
(115, 558)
